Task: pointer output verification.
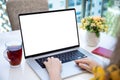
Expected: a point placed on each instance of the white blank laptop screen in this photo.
(43, 32)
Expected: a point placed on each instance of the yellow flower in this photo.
(103, 19)
(100, 23)
(85, 24)
(83, 20)
(96, 18)
(93, 24)
(101, 27)
(83, 27)
(96, 22)
(90, 23)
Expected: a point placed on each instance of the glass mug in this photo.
(13, 53)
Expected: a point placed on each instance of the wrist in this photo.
(55, 77)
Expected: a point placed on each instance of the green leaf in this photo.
(97, 34)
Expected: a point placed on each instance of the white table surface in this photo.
(24, 72)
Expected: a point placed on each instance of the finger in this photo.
(52, 57)
(48, 59)
(60, 61)
(44, 62)
(84, 60)
(57, 59)
(84, 66)
(80, 59)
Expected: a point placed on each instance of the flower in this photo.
(94, 24)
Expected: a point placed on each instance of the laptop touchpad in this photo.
(70, 67)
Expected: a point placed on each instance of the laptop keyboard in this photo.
(64, 57)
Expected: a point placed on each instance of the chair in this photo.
(15, 7)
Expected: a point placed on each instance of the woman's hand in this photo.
(53, 66)
(86, 64)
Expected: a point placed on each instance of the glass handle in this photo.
(6, 56)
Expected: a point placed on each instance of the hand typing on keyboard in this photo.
(86, 63)
(53, 66)
(64, 57)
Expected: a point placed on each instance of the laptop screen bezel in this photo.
(48, 52)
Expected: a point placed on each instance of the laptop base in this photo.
(68, 69)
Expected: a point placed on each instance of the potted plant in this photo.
(93, 26)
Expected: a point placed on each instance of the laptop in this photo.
(51, 33)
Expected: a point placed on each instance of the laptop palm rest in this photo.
(70, 67)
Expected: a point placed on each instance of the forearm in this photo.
(55, 77)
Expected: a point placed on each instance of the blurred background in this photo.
(110, 9)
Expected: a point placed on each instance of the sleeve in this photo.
(113, 72)
(99, 73)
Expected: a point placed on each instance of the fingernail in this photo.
(80, 64)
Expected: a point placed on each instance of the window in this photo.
(50, 6)
(96, 7)
(4, 21)
(78, 6)
(63, 4)
(71, 3)
(83, 7)
(78, 2)
(56, 4)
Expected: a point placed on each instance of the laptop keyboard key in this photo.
(64, 57)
